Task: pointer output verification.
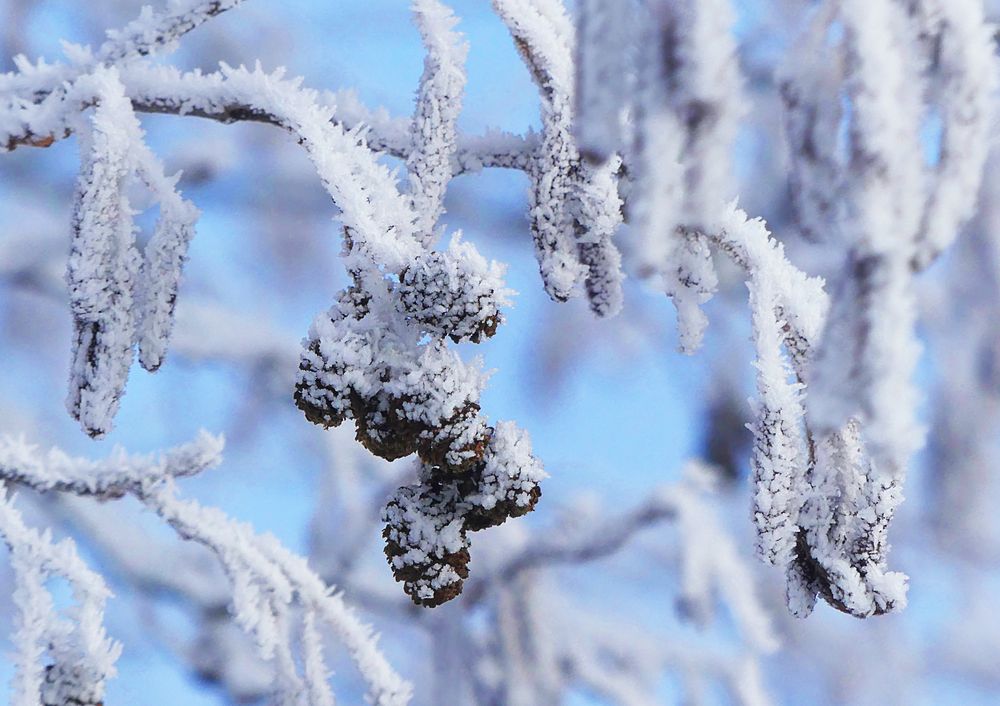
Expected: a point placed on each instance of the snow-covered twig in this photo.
(58, 661)
(266, 579)
(434, 132)
(573, 206)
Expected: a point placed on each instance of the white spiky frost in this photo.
(454, 293)
(571, 228)
(81, 655)
(104, 263)
(510, 470)
(434, 132)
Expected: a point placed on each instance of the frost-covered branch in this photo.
(266, 577)
(25, 464)
(687, 106)
(58, 660)
(640, 105)
(153, 31)
(966, 98)
(148, 34)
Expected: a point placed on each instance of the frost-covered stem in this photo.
(24, 464)
(265, 575)
(597, 215)
(604, 30)
(373, 209)
(492, 149)
(704, 86)
(573, 206)
(163, 259)
(855, 472)
(258, 564)
(778, 457)
(969, 77)
(749, 244)
(597, 543)
(789, 310)
(885, 199)
(810, 81)
(82, 657)
(688, 109)
(545, 50)
(115, 300)
(153, 31)
(439, 102)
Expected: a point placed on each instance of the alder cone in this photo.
(428, 523)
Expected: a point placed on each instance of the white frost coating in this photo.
(511, 471)
(598, 207)
(656, 194)
(602, 91)
(571, 228)
(119, 473)
(379, 219)
(778, 457)
(885, 90)
(82, 655)
(113, 295)
(846, 519)
(154, 31)
(403, 396)
(439, 384)
(549, 60)
(708, 100)
(826, 485)
(151, 33)
(266, 579)
(439, 102)
(455, 293)
(706, 94)
(494, 148)
(810, 78)
(970, 75)
(428, 522)
(689, 105)
(840, 501)
(720, 82)
(749, 243)
(690, 281)
(103, 263)
(886, 196)
(163, 258)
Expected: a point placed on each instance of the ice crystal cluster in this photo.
(641, 102)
